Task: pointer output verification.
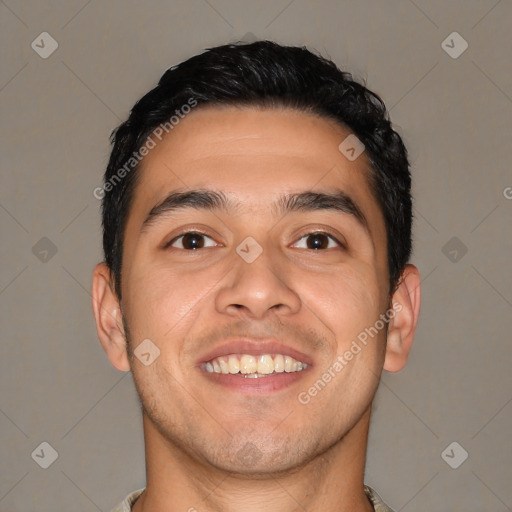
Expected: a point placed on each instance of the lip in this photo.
(255, 387)
(254, 348)
(261, 385)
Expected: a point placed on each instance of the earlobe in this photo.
(406, 301)
(107, 315)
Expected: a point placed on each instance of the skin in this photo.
(309, 456)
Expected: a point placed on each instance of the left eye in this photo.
(192, 241)
(317, 241)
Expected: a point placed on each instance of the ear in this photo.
(107, 314)
(406, 303)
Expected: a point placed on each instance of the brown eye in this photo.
(317, 241)
(191, 241)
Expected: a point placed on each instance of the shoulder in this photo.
(376, 500)
(127, 503)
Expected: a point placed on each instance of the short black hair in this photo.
(267, 75)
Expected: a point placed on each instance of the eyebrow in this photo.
(213, 200)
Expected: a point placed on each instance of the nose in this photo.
(256, 289)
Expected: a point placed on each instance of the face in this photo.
(264, 280)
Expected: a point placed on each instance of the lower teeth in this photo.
(258, 375)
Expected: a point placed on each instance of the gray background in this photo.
(454, 113)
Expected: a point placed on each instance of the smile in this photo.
(254, 366)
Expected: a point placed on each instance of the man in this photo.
(257, 231)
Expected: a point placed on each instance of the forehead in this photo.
(244, 147)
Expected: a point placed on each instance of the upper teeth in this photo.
(248, 364)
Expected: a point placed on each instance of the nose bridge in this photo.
(255, 284)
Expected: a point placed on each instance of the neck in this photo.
(333, 480)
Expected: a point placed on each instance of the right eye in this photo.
(191, 241)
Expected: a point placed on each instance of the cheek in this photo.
(346, 301)
(163, 301)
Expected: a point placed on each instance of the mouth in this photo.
(254, 367)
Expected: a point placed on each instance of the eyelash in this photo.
(328, 235)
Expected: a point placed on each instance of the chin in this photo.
(262, 456)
